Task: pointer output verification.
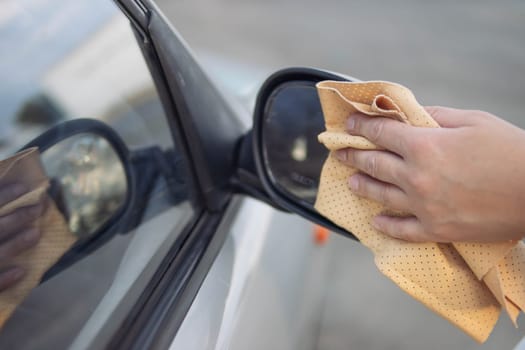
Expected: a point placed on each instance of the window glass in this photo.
(62, 61)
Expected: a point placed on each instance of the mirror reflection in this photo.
(292, 120)
(89, 183)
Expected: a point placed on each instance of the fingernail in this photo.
(353, 182)
(341, 154)
(350, 123)
(376, 224)
(31, 236)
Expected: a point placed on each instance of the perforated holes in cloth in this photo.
(25, 167)
(466, 283)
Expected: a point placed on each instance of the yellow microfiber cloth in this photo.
(25, 168)
(466, 283)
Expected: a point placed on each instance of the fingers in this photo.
(10, 249)
(388, 195)
(13, 225)
(11, 192)
(405, 228)
(384, 132)
(10, 276)
(19, 219)
(384, 166)
(451, 117)
(18, 244)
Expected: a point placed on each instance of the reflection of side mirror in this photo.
(89, 168)
(287, 120)
(89, 182)
(86, 161)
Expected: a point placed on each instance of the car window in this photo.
(64, 61)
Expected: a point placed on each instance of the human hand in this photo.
(16, 234)
(464, 181)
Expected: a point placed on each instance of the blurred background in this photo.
(468, 54)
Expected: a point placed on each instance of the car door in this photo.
(262, 288)
(83, 84)
(64, 64)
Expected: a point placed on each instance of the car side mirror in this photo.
(288, 157)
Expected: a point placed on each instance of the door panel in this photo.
(267, 284)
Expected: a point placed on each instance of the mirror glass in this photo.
(88, 181)
(292, 120)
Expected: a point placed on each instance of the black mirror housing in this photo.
(288, 157)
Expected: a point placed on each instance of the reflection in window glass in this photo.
(63, 60)
(91, 179)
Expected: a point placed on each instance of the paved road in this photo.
(468, 54)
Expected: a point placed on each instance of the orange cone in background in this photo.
(321, 235)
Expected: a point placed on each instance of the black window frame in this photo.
(156, 317)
